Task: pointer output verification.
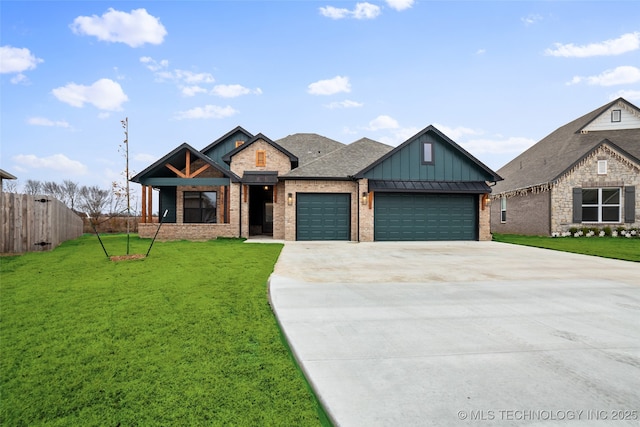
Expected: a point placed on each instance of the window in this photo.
(616, 115)
(600, 205)
(602, 167)
(503, 209)
(427, 153)
(261, 158)
(200, 207)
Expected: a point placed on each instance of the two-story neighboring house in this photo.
(584, 174)
(308, 187)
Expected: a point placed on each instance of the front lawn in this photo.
(608, 247)
(183, 337)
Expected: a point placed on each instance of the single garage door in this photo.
(410, 216)
(323, 216)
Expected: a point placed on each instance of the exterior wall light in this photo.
(290, 199)
(365, 198)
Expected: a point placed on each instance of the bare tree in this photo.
(33, 187)
(94, 200)
(10, 186)
(52, 189)
(71, 191)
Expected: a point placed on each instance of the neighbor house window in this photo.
(616, 115)
(261, 158)
(503, 209)
(602, 167)
(600, 205)
(200, 206)
(427, 153)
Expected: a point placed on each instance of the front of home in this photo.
(308, 187)
(583, 175)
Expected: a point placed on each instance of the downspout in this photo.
(240, 201)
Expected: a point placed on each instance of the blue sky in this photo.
(494, 76)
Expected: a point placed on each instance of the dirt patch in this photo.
(117, 258)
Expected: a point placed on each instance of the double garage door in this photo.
(397, 216)
(412, 216)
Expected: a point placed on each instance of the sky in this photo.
(494, 76)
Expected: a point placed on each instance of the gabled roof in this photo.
(555, 154)
(177, 159)
(308, 146)
(341, 163)
(225, 136)
(431, 129)
(227, 157)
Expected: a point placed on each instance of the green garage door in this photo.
(408, 216)
(323, 216)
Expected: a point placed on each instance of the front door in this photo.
(261, 210)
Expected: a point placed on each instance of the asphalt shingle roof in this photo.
(308, 146)
(344, 162)
(548, 159)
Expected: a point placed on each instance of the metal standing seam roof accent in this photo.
(260, 178)
(465, 187)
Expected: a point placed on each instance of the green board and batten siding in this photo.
(449, 164)
(323, 216)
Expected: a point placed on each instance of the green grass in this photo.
(184, 337)
(623, 248)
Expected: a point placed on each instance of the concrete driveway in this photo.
(462, 333)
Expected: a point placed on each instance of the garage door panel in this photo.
(323, 216)
(403, 216)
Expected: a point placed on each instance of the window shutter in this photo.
(577, 205)
(630, 204)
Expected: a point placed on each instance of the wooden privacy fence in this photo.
(36, 223)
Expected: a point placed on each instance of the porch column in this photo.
(150, 205)
(144, 205)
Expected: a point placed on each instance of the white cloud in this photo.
(154, 65)
(330, 87)
(192, 90)
(383, 122)
(400, 4)
(366, 11)
(134, 29)
(512, 144)
(104, 94)
(206, 112)
(625, 43)
(344, 104)
(233, 91)
(58, 162)
(458, 132)
(629, 95)
(481, 51)
(17, 60)
(42, 121)
(531, 19)
(361, 11)
(625, 74)
(334, 12)
(145, 158)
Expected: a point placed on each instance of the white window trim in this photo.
(503, 209)
(602, 167)
(599, 205)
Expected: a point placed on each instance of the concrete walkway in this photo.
(462, 333)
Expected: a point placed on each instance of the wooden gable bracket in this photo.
(187, 173)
